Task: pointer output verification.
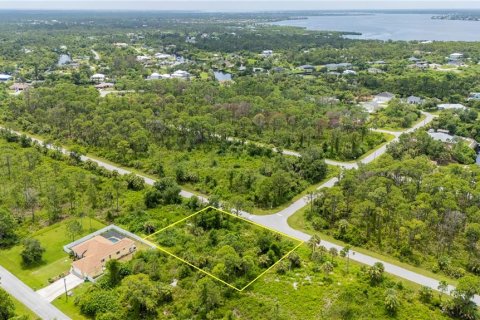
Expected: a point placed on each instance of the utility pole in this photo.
(66, 293)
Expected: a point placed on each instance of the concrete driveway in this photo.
(57, 288)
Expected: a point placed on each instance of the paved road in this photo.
(278, 221)
(28, 297)
(56, 289)
(96, 56)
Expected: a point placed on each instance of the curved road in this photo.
(278, 221)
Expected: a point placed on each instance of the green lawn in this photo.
(55, 260)
(67, 305)
(298, 222)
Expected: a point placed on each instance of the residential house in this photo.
(455, 56)
(445, 137)
(383, 97)
(163, 56)
(307, 68)
(455, 59)
(191, 40)
(349, 72)
(154, 76)
(374, 71)
(120, 45)
(267, 53)
(92, 255)
(371, 106)
(421, 65)
(104, 85)
(5, 77)
(98, 78)
(19, 87)
(143, 58)
(276, 69)
(414, 100)
(158, 76)
(451, 106)
(336, 66)
(181, 74)
(474, 96)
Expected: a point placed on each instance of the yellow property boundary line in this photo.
(208, 273)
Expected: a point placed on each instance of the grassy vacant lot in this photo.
(299, 222)
(310, 293)
(55, 260)
(226, 247)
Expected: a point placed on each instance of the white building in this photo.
(143, 58)
(414, 100)
(445, 137)
(120, 44)
(455, 56)
(474, 96)
(5, 77)
(383, 97)
(163, 56)
(98, 78)
(451, 106)
(181, 74)
(371, 106)
(351, 72)
(267, 53)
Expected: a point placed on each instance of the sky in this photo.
(232, 5)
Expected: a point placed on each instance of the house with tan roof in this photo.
(92, 255)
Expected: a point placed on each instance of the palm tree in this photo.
(345, 252)
(322, 251)
(327, 268)
(333, 252)
(391, 301)
(443, 287)
(376, 272)
(313, 243)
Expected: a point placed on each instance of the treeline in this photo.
(463, 123)
(397, 115)
(271, 111)
(410, 209)
(420, 143)
(171, 132)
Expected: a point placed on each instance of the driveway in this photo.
(57, 288)
(32, 300)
